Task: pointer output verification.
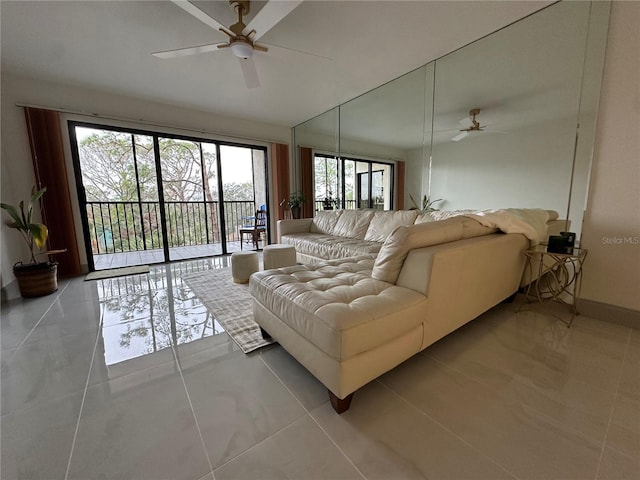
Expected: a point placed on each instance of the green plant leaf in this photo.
(35, 196)
(39, 233)
(15, 215)
(25, 222)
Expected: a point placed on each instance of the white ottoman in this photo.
(243, 264)
(278, 255)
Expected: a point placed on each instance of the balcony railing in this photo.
(349, 205)
(118, 227)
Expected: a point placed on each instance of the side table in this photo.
(559, 276)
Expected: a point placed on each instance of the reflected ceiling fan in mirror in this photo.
(242, 38)
(471, 126)
(474, 127)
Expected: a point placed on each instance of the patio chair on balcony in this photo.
(254, 231)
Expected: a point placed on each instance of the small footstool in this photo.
(243, 264)
(278, 255)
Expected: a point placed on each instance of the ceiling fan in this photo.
(242, 38)
(474, 127)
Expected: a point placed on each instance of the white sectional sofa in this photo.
(337, 234)
(349, 320)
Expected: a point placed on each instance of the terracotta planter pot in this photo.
(38, 279)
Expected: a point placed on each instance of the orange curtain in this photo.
(47, 153)
(280, 171)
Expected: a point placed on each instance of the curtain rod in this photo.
(143, 122)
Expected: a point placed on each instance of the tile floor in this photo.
(132, 378)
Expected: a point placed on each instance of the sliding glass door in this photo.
(149, 198)
(243, 185)
(352, 183)
(190, 198)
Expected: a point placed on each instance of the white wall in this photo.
(416, 181)
(16, 165)
(513, 169)
(611, 229)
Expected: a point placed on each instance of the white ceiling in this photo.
(108, 46)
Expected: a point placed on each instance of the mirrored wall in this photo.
(507, 121)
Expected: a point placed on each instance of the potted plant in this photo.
(428, 205)
(34, 278)
(296, 199)
(329, 203)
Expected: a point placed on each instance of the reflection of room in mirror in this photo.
(533, 83)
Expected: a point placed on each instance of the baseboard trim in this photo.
(609, 313)
(9, 291)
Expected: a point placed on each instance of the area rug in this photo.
(231, 305)
(117, 272)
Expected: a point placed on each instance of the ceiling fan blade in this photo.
(184, 52)
(466, 122)
(191, 9)
(249, 72)
(460, 136)
(269, 16)
(286, 50)
(260, 48)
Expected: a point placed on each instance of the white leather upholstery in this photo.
(348, 321)
(336, 234)
(423, 218)
(385, 222)
(394, 251)
(292, 226)
(347, 327)
(325, 221)
(329, 246)
(341, 377)
(278, 255)
(338, 307)
(353, 223)
(243, 264)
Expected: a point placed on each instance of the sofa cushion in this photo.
(353, 223)
(337, 306)
(383, 223)
(423, 217)
(329, 246)
(438, 215)
(405, 238)
(325, 221)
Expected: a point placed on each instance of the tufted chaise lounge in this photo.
(348, 321)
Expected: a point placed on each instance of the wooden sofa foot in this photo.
(510, 298)
(265, 334)
(340, 405)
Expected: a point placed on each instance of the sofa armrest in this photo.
(480, 258)
(298, 225)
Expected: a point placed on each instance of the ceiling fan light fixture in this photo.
(241, 48)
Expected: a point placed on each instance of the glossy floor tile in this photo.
(238, 403)
(139, 426)
(386, 437)
(132, 377)
(301, 450)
